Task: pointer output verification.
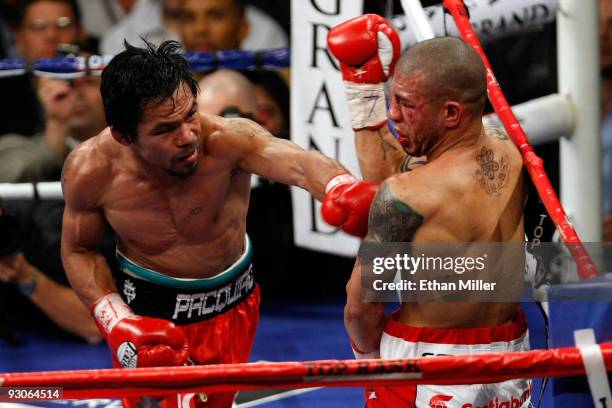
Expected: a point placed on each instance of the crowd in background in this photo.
(42, 119)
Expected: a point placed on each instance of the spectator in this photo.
(41, 25)
(146, 20)
(74, 113)
(203, 25)
(57, 301)
(45, 24)
(272, 99)
(226, 89)
(213, 25)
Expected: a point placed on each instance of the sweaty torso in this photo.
(470, 194)
(189, 228)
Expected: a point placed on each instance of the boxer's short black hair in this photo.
(138, 77)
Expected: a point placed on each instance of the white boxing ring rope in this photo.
(27, 191)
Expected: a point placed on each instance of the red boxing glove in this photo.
(347, 204)
(368, 48)
(138, 341)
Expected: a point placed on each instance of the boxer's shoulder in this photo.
(231, 137)
(421, 186)
(88, 167)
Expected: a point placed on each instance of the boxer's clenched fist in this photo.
(368, 48)
(347, 204)
(138, 341)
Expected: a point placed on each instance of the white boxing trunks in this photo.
(402, 341)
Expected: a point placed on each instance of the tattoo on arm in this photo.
(492, 176)
(249, 128)
(409, 163)
(384, 144)
(391, 220)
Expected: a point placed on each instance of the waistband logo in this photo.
(129, 290)
(214, 301)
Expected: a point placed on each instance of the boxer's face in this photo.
(45, 25)
(413, 112)
(211, 25)
(169, 135)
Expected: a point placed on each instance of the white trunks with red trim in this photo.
(402, 341)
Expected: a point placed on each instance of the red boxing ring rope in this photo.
(586, 267)
(161, 381)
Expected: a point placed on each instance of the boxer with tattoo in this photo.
(471, 189)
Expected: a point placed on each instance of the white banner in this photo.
(319, 113)
(491, 19)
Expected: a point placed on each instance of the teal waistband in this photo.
(133, 269)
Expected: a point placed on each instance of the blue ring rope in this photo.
(72, 67)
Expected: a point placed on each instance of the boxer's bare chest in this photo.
(194, 212)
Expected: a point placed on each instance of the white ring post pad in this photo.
(594, 366)
(109, 310)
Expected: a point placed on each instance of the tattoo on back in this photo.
(409, 163)
(496, 132)
(391, 220)
(492, 176)
(384, 144)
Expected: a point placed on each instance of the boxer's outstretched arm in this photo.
(278, 159)
(82, 227)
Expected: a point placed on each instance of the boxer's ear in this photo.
(120, 137)
(453, 111)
